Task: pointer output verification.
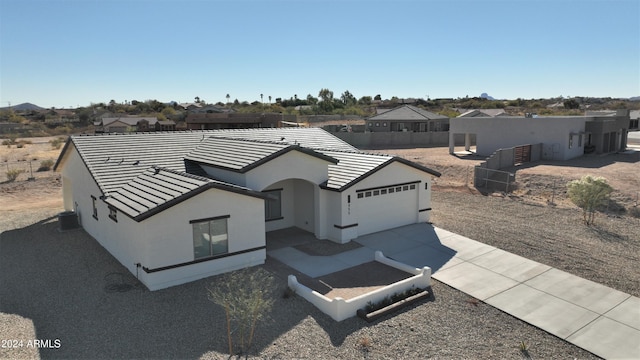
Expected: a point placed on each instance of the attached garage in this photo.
(387, 207)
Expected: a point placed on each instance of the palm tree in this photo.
(228, 97)
(269, 99)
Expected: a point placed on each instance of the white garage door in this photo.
(385, 208)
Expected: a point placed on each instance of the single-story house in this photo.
(179, 206)
(407, 118)
(482, 112)
(229, 120)
(562, 137)
(132, 124)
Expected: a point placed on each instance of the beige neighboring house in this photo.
(407, 118)
(482, 112)
(174, 207)
(125, 124)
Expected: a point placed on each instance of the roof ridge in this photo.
(355, 152)
(253, 140)
(181, 173)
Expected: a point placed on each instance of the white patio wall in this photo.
(340, 309)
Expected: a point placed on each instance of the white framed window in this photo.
(210, 237)
(273, 205)
(95, 207)
(113, 214)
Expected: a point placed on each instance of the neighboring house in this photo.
(481, 112)
(228, 120)
(179, 206)
(634, 120)
(133, 124)
(562, 137)
(407, 118)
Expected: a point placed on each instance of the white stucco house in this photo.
(174, 207)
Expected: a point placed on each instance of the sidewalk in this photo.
(594, 317)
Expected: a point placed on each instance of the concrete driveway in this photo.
(594, 317)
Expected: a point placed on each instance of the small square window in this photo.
(113, 214)
(367, 194)
(412, 186)
(377, 124)
(405, 188)
(376, 192)
(383, 191)
(360, 195)
(399, 188)
(391, 190)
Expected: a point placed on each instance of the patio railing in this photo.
(340, 309)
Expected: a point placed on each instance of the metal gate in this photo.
(522, 154)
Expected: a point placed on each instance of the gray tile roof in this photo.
(242, 155)
(312, 138)
(120, 164)
(351, 166)
(407, 113)
(158, 188)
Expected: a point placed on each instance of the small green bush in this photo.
(13, 174)
(56, 143)
(45, 165)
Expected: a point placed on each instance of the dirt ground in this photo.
(542, 182)
(44, 192)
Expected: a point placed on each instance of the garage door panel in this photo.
(386, 208)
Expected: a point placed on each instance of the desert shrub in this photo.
(634, 211)
(13, 174)
(246, 296)
(589, 194)
(56, 143)
(45, 165)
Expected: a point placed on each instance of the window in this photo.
(376, 192)
(210, 237)
(113, 214)
(405, 188)
(384, 124)
(95, 208)
(570, 141)
(273, 205)
(426, 185)
(370, 124)
(399, 188)
(360, 195)
(367, 194)
(391, 190)
(383, 191)
(377, 124)
(412, 186)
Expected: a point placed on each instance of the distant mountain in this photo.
(486, 96)
(23, 107)
(635, 98)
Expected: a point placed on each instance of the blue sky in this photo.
(67, 53)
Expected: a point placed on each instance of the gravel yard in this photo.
(61, 286)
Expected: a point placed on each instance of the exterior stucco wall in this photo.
(292, 165)
(119, 239)
(169, 237)
(377, 213)
(493, 133)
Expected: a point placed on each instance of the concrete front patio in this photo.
(599, 319)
